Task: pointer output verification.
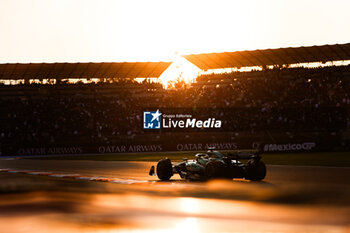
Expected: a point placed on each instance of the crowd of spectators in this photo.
(288, 99)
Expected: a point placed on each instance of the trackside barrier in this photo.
(264, 147)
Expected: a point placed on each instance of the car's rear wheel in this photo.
(215, 169)
(256, 170)
(164, 169)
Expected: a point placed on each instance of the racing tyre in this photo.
(255, 170)
(215, 169)
(164, 169)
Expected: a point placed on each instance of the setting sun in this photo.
(179, 70)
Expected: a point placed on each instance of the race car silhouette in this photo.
(214, 164)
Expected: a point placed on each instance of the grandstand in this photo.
(278, 105)
(66, 71)
(266, 57)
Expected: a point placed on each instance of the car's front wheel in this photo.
(164, 169)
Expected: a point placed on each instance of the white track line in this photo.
(75, 176)
(94, 178)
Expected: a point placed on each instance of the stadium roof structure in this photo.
(281, 56)
(15, 71)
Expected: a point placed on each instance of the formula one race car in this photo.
(214, 164)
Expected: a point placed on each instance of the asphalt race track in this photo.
(108, 196)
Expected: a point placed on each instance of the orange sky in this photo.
(154, 30)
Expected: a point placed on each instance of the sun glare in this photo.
(189, 205)
(180, 71)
